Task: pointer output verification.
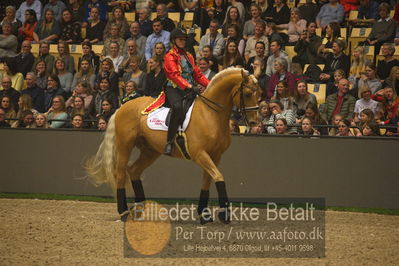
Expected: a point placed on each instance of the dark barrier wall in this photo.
(347, 172)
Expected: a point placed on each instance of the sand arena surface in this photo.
(37, 232)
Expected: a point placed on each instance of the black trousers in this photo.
(174, 97)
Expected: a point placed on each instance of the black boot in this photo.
(172, 129)
(168, 148)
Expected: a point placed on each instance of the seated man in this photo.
(213, 38)
(139, 39)
(25, 59)
(340, 102)
(36, 93)
(384, 66)
(57, 6)
(145, 21)
(159, 35)
(8, 41)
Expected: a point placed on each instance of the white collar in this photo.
(206, 73)
(387, 19)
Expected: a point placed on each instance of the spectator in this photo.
(107, 71)
(100, 4)
(113, 37)
(365, 102)
(130, 92)
(77, 106)
(281, 126)
(170, 5)
(7, 105)
(385, 65)
(232, 17)
(272, 34)
(64, 54)
(358, 65)
(259, 36)
(276, 52)
(40, 121)
(231, 57)
(279, 13)
(36, 94)
(240, 7)
(344, 128)
(383, 30)
(260, 49)
(53, 89)
(11, 70)
(95, 27)
(8, 41)
(138, 39)
(102, 124)
(208, 54)
(264, 116)
(114, 56)
(330, 12)
(35, 5)
(159, 50)
(45, 56)
(77, 121)
(145, 22)
(132, 51)
(3, 122)
(276, 108)
(367, 12)
(333, 32)
(48, 29)
(85, 74)
(77, 10)
(393, 79)
(25, 103)
(159, 35)
(213, 38)
(162, 15)
(83, 90)
(249, 25)
(107, 109)
(259, 67)
(65, 77)
(133, 72)
(70, 29)
(371, 129)
(309, 11)
(295, 27)
(369, 80)
(334, 122)
(390, 103)
(336, 60)
(118, 18)
(41, 74)
(29, 26)
(307, 46)
(155, 79)
(332, 86)
(219, 9)
(204, 66)
(90, 56)
(10, 18)
(281, 73)
(302, 98)
(233, 33)
(284, 96)
(340, 103)
(57, 6)
(24, 60)
(104, 92)
(307, 127)
(25, 121)
(9, 91)
(56, 115)
(318, 122)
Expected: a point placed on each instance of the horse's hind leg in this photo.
(146, 158)
(205, 161)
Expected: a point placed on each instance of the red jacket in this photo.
(172, 67)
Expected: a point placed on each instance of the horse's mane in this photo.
(223, 73)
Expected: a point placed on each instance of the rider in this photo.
(182, 73)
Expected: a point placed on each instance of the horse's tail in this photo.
(101, 167)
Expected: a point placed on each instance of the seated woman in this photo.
(104, 92)
(134, 73)
(280, 66)
(318, 122)
(276, 108)
(63, 52)
(83, 90)
(233, 33)
(77, 121)
(95, 27)
(231, 57)
(25, 120)
(155, 79)
(333, 32)
(107, 109)
(78, 107)
(130, 92)
(393, 79)
(365, 102)
(283, 95)
(57, 112)
(29, 26)
(249, 26)
(307, 127)
(70, 29)
(25, 103)
(159, 50)
(358, 65)
(8, 107)
(11, 70)
(307, 46)
(11, 18)
(64, 76)
(336, 60)
(41, 74)
(40, 121)
(295, 27)
(279, 13)
(366, 117)
(232, 17)
(48, 29)
(85, 74)
(302, 98)
(344, 128)
(117, 19)
(107, 71)
(368, 79)
(90, 56)
(263, 118)
(114, 36)
(390, 103)
(114, 56)
(102, 124)
(260, 49)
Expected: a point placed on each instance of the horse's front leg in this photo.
(205, 161)
(204, 198)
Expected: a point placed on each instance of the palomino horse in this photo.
(208, 137)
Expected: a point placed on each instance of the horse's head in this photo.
(245, 98)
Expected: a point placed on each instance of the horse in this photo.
(208, 137)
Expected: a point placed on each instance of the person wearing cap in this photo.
(182, 74)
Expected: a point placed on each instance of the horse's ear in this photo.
(244, 75)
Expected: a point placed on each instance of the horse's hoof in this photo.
(124, 216)
(204, 219)
(224, 216)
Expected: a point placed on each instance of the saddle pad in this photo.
(156, 119)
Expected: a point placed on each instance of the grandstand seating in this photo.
(290, 51)
(319, 90)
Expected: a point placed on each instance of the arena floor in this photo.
(37, 232)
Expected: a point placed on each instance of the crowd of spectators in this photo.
(51, 91)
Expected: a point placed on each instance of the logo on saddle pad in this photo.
(157, 119)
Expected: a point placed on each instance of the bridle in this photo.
(242, 109)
